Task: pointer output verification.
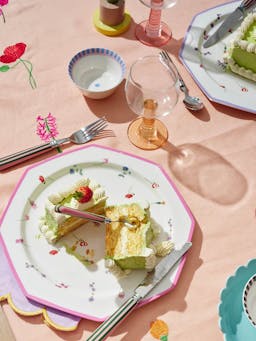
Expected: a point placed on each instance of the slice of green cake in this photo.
(130, 248)
(85, 195)
(241, 53)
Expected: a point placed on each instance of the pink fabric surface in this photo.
(219, 185)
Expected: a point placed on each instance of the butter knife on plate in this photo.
(231, 22)
(149, 282)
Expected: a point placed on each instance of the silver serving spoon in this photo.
(191, 102)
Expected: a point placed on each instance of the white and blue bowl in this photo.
(97, 72)
(249, 300)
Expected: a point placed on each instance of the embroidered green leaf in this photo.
(4, 68)
(164, 338)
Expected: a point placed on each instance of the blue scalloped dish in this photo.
(233, 321)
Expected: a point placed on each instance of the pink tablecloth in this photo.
(219, 186)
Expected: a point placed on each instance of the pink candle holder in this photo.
(153, 31)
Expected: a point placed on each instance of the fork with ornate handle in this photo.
(81, 136)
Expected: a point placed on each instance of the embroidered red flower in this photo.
(12, 53)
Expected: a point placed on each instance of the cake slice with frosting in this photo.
(241, 53)
(86, 195)
(132, 247)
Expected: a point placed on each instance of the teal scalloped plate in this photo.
(233, 322)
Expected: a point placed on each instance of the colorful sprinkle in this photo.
(129, 195)
(41, 179)
(32, 203)
(53, 252)
(61, 285)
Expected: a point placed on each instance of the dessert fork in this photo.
(130, 223)
(81, 136)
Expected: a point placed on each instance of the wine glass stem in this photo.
(153, 27)
(147, 129)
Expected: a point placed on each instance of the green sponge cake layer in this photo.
(241, 54)
(244, 59)
(130, 248)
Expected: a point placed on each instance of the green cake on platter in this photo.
(241, 53)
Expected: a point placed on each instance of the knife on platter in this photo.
(231, 22)
(149, 282)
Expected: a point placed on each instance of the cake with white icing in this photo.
(127, 246)
(132, 247)
(241, 53)
(86, 195)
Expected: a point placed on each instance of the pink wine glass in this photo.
(154, 32)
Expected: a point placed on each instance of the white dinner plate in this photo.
(49, 274)
(206, 65)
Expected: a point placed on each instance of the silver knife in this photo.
(150, 281)
(231, 22)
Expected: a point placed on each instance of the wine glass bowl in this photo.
(153, 31)
(151, 91)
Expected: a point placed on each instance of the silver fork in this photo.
(81, 136)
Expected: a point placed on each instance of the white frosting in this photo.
(244, 45)
(49, 234)
(54, 199)
(251, 47)
(164, 248)
(115, 269)
(150, 259)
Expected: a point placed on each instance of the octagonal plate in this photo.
(206, 65)
(49, 274)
